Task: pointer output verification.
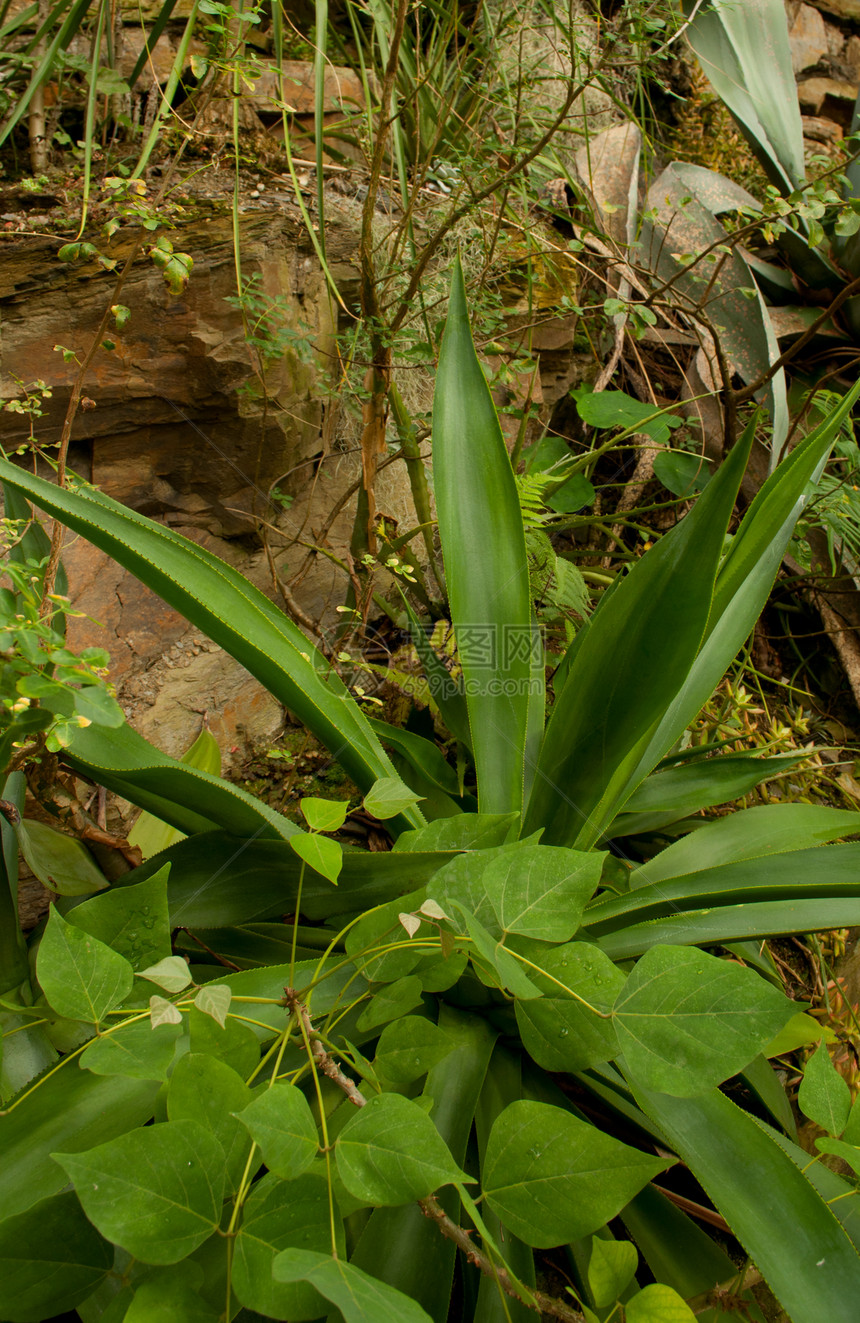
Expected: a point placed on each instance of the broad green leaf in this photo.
(137, 1050)
(51, 1259)
(800, 1031)
(851, 1133)
(214, 999)
(359, 1297)
(234, 1043)
(81, 977)
(552, 1178)
(389, 797)
(658, 1303)
(157, 1192)
(633, 657)
(762, 830)
(785, 1226)
(390, 1152)
(324, 855)
(461, 881)
(393, 1001)
(484, 552)
(687, 1021)
(701, 784)
(409, 1047)
(681, 474)
(324, 814)
(281, 1124)
(60, 862)
(612, 408)
(171, 973)
(132, 920)
(510, 972)
(849, 1153)
(611, 1267)
(233, 613)
(150, 833)
(169, 1295)
(278, 1214)
(70, 1108)
(824, 1095)
(208, 1091)
(466, 831)
(577, 493)
(559, 1032)
(540, 891)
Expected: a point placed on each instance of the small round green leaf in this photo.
(156, 1191)
(51, 1259)
(282, 1125)
(824, 1095)
(390, 1153)
(321, 853)
(81, 977)
(324, 814)
(552, 1178)
(171, 973)
(389, 796)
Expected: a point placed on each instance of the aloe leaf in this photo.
(634, 657)
(744, 52)
(218, 880)
(831, 871)
(732, 923)
(231, 611)
(744, 580)
(785, 1226)
(484, 552)
(150, 833)
(187, 798)
(765, 829)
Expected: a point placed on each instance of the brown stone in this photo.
(821, 130)
(807, 38)
(849, 9)
(342, 88)
(851, 57)
(813, 92)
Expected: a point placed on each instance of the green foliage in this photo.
(267, 1130)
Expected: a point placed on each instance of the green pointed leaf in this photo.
(484, 551)
(552, 1178)
(169, 1295)
(465, 831)
(390, 1153)
(324, 814)
(131, 920)
(800, 1031)
(81, 977)
(393, 1001)
(162, 1012)
(235, 1043)
(278, 1214)
(171, 973)
(208, 1091)
(214, 999)
(540, 891)
(359, 1297)
(51, 1259)
(139, 1050)
(59, 861)
(658, 1303)
(409, 1047)
(321, 853)
(388, 797)
(687, 1021)
(824, 1095)
(559, 1032)
(282, 1125)
(849, 1153)
(611, 1267)
(157, 1192)
(612, 408)
(510, 972)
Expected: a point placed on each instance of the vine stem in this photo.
(430, 1206)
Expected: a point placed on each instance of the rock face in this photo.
(192, 427)
(808, 38)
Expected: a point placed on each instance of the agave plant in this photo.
(495, 1038)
